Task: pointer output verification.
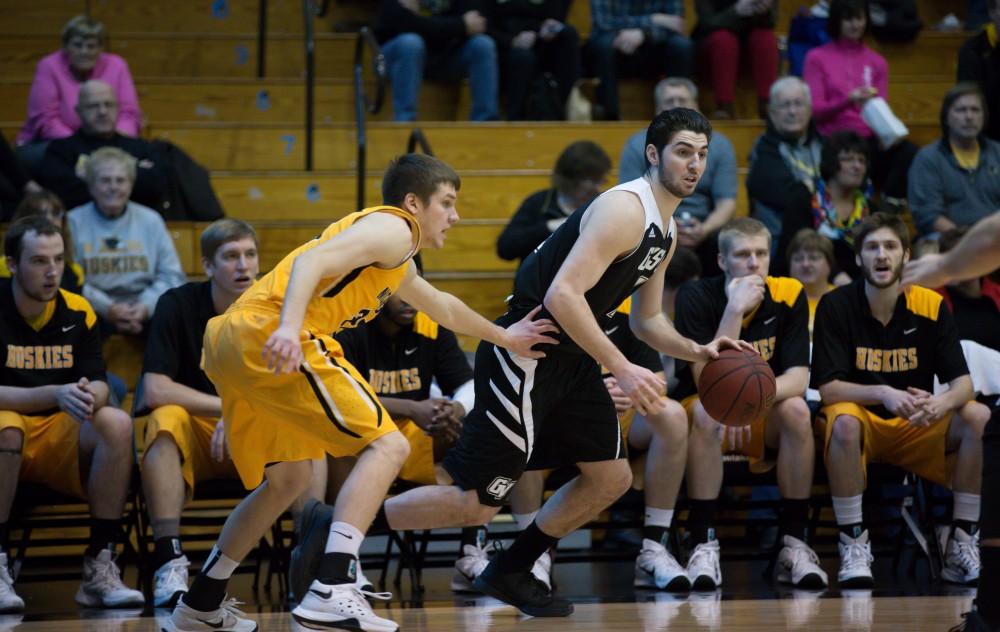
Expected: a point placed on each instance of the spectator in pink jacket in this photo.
(54, 92)
(842, 76)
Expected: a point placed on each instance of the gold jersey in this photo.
(338, 302)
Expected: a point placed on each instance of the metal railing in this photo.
(363, 105)
(310, 9)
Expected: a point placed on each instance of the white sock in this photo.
(344, 538)
(966, 507)
(219, 565)
(524, 520)
(658, 517)
(847, 509)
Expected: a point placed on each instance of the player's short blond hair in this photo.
(741, 227)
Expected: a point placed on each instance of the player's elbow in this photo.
(556, 299)
(154, 393)
(828, 393)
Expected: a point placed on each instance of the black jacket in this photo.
(980, 62)
(509, 17)
(13, 177)
(441, 31)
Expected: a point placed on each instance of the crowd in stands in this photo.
(832, 215)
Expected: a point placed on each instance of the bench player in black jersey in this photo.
(56, 427)
(977, 254)
(876, 351)
(554, 411)
(772, 314)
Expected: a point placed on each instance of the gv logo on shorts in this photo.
(500, 487)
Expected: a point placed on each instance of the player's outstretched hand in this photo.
(282, 351)
(712, 349)
(927, 271)
(526, 333)
(646, 390)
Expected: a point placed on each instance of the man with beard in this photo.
(977, 254)
(772, 314)
(556, 411)
(876, 351)
(56, 427)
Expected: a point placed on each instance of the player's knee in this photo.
(11, 440)
(114, 425)
(702, 424)
(846, 431)
(671, 422)
(974, 417)
(289, 479)
(613, 480)
(474, 513)
(795, 418)
(394, 447)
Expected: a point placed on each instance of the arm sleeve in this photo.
(831, 354)
(794, 341)
(89, 361)
(451, 369)
(724, 179)
(633, 163)
(129, 115)
(693, 315)
(825, 104)
(949, 360)
(925, 190)
(44, 102)
(161, 345)
(168, 265)
(525, 231)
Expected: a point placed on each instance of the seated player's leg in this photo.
(704, 481)
(789, 430)
(845, 466)
(965, 442)
(106, 457)
(11, 446)
(664, 437)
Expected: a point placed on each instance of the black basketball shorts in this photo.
(532, 414)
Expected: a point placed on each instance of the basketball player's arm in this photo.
(934, 407)
(379, 238)
(977, 254)
(450, 312)
(160, 390)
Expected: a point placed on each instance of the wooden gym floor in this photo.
(604, 601)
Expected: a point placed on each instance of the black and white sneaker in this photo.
(522, 590)
(341, 606)
(226, 618)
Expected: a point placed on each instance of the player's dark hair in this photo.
(807, 239)
(667, 123)
(841, 143)
(223, 231)
(684, 266)
(876, 221)
(961, 89)
(841, 10)
(419, 174)
(746, 226)
(43, 203)
(582, 160)
(13, 241)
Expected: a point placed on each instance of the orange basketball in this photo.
(737, 388)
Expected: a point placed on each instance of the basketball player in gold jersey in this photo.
(289, 396)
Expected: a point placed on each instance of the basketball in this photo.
(737, 388)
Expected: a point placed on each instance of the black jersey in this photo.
(778, 329)
(851, 345)
(618, 282)
(635, 351)
(176, 335)
(404, 365)
(65, 347)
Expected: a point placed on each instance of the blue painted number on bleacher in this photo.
(220, 9)
(289, 140)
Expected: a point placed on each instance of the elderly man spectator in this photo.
(127, 254)
(641, 37)
(785, 159)
(953, 181)
(979, 61)
(444, 40)
(700, 216)
(59, 78)
(59, 170)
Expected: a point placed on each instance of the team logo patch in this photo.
(500, 487)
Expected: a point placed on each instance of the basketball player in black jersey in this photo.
(554, 411)
(977, 254)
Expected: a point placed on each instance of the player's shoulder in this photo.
(846, 298)
(78, 305)
(924, 302)
(424, 325)
(785, 290)
(190, 295)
